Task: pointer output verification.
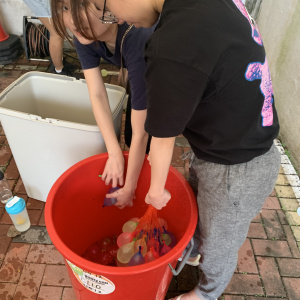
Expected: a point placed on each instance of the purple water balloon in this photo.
(137, 259)
(110, 201)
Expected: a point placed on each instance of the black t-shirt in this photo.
(133, 59)
(208, 78)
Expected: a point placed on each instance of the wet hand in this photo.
(158, 200)
(124, 197)
(114, 171)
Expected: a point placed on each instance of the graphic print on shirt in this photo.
(255, 33)
(258, 71)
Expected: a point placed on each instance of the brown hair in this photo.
(76, 8)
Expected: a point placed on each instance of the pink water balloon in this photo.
(124, 238)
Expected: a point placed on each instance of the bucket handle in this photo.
(184, 259)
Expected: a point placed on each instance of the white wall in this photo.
(11, 15)
(279, 24)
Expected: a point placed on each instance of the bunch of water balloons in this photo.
(144, 240)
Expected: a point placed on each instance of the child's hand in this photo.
(114, 170)
(158, 200)
(124, 197)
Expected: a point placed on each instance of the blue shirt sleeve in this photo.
(88, 55)
(133, 55)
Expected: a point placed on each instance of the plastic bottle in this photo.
(16, 208)
(5, 192)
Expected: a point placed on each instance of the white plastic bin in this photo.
(50, 126)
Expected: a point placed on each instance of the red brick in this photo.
(22, 61)
(257, 219)
(256, 230)
(271, 248)
(57, 276)
(292, 286)
(35, 204)
(291, 241)
(5, 155)
(272, 224)
(176, 160)
(44, 64)
(246, 261)
(13, 263)
(6, 219)
(34, 216)
(4, 240)
(245, 284)
(42, 219)
(30, 281)
(187, 168)
(5, 82)
(289, 267)
(50, 293)
(282, 217)
(272, 203)
(44, 254)
(12, 171)
(2, 140)
(68, 294)
(19, 188)
(264, 298)
(7, 290)
(15, 74)
(231, 297)
(273, 194)
(270, 276)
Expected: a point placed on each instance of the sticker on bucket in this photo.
(95, 283)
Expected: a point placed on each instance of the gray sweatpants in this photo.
(228, 197)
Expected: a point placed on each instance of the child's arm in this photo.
(161, 152)
(114, 168)
(135, 160)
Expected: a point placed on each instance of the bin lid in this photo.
(15, 205)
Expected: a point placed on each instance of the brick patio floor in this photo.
(268, 265)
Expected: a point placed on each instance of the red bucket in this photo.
(75, 219)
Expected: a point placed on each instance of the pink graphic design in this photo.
(255, 33)
(261, 71)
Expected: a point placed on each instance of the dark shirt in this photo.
(133, 59)
(208, 78)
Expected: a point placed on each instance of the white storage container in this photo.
(50, 126)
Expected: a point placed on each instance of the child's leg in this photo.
(229, 197)
(55, 44)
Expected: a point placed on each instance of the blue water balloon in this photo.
(137, 259)
(110, 201)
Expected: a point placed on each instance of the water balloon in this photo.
(129, 226)
(110, 201)
(124, 238)
(137, 259)
(165, 249)
(140, 245)
(125, 253)
(163, 223)
(151, 255)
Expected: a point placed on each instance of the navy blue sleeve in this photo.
(133, 54)
(88, 56)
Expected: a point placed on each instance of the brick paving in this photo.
(269, 261)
